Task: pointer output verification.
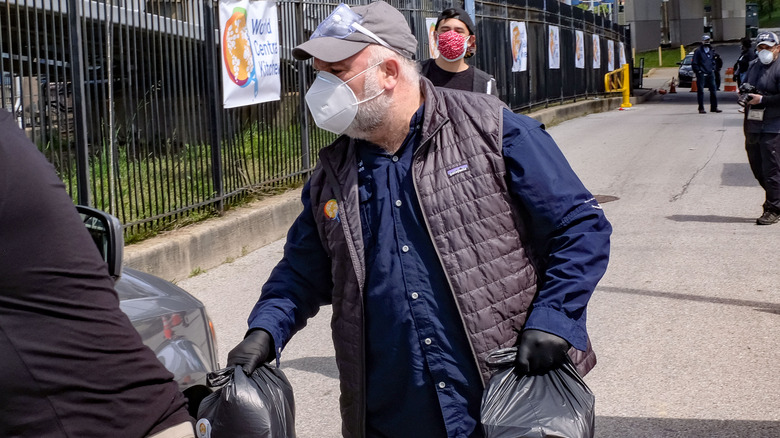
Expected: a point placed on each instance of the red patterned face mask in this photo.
(452, 45)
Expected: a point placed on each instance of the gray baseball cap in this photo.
(376, 23)
(767, 39)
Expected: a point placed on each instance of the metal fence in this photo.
(123, 96)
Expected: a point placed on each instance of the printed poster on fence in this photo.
(622, 51)
(249, 38)
(554, 47)
(430, 24)
(596, 52)
(579, 49)
(519, 37)
(610, 55)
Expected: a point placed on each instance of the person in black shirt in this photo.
(72, 363)
(456, 42)
(741, 66)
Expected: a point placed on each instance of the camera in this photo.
(744, 90)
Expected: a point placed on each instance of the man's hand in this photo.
(252, 352)
(755, 99)
(539, 352)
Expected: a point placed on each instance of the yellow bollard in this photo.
(619, 80)
(682, 51)
(660, 57)
(626, 87)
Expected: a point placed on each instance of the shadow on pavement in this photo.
(324, 365)
(737, 175)
(710, 218)
(620, 427)
(757, 305)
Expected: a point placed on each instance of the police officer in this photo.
(703, 65)
(762, 123)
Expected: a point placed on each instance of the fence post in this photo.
(215, 109)
(79, 103)
(302, 88)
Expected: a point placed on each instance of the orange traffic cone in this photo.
(693, 84)
(730, 85)
(672, 89)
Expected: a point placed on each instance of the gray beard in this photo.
(370, 114)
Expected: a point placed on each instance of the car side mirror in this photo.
(679, 63)
(106, 232)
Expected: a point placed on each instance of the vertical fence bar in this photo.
(213, 97)
(302, 87)
(79, 102)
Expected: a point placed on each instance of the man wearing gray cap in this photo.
(762, 123)
(440, 226)
(703, 64)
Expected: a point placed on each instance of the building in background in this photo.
(675, 22)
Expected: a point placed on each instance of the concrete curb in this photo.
(178, 254)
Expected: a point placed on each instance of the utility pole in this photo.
(665, 37)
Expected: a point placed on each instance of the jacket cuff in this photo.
(556, 322)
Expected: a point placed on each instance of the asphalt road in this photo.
(686, 321)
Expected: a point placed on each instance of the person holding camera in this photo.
(704, 65)
(762, 122)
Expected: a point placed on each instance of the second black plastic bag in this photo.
(557, 404)
(256, 406)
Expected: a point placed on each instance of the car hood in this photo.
(143, 295)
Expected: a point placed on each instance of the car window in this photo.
(687, 60)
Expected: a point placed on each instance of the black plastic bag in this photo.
(256, 406)
(556, 404)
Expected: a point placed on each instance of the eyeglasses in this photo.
(343, 22)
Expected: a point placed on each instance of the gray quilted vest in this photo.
(460, 180)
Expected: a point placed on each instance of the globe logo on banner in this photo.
(237, 50)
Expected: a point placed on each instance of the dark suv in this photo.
(171, 322)
(685, 73)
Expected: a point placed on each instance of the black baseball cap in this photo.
(458, 14)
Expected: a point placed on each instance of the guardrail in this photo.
(619, 81)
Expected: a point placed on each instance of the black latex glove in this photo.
(539, 352)
(252, 352)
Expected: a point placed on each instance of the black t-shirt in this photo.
(463, 80)
(72, 363)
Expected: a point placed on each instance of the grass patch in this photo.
(769, 19)
(167, 180)
(669, 57)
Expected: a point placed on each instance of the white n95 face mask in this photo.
(332, 103)
(766, 56)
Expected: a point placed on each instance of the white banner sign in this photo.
(579, 49)
(249, 37)
(622, 55)
(596, 52)
(519, 38)
(554, 47)
(430, 24)
(610, 55)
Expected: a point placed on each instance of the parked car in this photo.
(171, 322)
(685, 73)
